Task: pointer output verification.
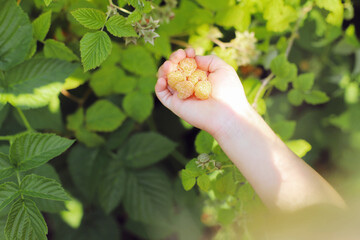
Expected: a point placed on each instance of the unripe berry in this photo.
(174, 78)
(187, 66)
(185, 89)
(203, 90)
(197, 75)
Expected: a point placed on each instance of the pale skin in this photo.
(282, 180)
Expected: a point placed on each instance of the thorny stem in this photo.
(292, 37)
(25, 121)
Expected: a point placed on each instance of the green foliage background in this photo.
(65, 69)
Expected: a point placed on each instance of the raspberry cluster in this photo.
(188, 80)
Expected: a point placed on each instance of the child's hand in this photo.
(226, 98)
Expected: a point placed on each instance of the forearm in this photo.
(281, 179)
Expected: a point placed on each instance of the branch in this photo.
(119, 8)
(25, 121)
(180, 43)
(294, 34)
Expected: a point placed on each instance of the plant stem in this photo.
(180, 43)
(6, 138)
(25, 121)
(70, 96)
(292, 37)
(119, 8)
(19, 182)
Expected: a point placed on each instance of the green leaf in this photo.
(204, 142)
(216, 5)
(42, 187)
(90, 139)
(6, 169)
(47, 2)
(138, 105)
(8, 192)
(300, 147)
(145, 149)
(16, 34)
(86, 168)
(118, 137)
(285, 72)
(226, 216)
(118, 27)
(31, 150)
(104, 116)
(95, 48)
(112, 186)
(35, 82)
(75, 120)
(41, 25)
(336, 9)
(55, 49)
(316, 97)
(304, 82)
(89, 17)
(25, 221)
(147, 195)
(187, 179)
(111, 79)
(204, 182)
(146, 84)
(285, 129)
(135, 16)
(238, 16)
(193, 169)
(295, 97)
(279, 15)
(224, 185)
(133, 55)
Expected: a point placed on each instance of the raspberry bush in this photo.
(77, 84)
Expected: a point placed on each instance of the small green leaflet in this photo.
(89, 17)
(295, 97)
(14, 24)
(204, 142)
(6, 169)
(187, 179)
(138, 105)
(90, 139)
(41, 25)
(75, 120)
(285, 72)
(104, 116)
(203, 182)
(25, 221)
(9, 191)
(95, 48)
(42, 187)
(304, 82)
(300, 147)
(135, 16)
(118, 27)
(30, 150)
(55, 49)
(316, 97)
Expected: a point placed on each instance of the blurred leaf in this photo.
(89, 17)
(285, 72)
(285, 129)
(216, 5)
(304, 82)
(118, 27)
(147, 195)
(226, 216)
(335, 8)
(193, 169)
(90, 139)
(135, 16)
(300, 147)
(187, 179)
(16, 32)
(6, 169)
(224, 185)
(95, 47)
(55, 49)
(238, 16)
(138, 105)
(118, 137)
(295, 97)
(133, 55)
(43, 119)
(41, 26)
(104, 116)
(145, 149)
(203, 142)
(75, 120)
(146, 84)
(316, 97)
(279, 15)
(203, 182)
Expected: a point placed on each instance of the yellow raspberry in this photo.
(203, 90)
(187, 66)
(185, 89)
(198, 75)
(174, 78)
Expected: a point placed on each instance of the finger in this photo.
(177, 56)
(211, 63)
(162, 92)
(165, 69)
(190, 52)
